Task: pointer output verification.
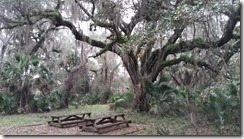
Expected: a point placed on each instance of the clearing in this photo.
(142, 124)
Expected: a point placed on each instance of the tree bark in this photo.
(140, 103)
(24, 100)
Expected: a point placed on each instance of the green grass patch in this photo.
(97, 110)
(22, 119)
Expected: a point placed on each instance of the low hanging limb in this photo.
(105, 49)
(183, 59)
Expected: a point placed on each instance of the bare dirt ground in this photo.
(45, 129)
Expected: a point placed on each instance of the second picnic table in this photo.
(98, 123)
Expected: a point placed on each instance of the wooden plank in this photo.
(71, 119)
(54, 124)
(105, 127)
(109, 116)
(66, 124)
(60, 116)
(114, 124)
(98, 128)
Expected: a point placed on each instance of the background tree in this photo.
(23, 75)
(104, 76)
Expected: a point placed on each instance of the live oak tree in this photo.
(148, 35)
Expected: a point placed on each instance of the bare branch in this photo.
(97, 22)
(176, 35)
(84, 9)
(60, 2)
(13, 26)
(228, 32)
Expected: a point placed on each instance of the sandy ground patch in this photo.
(45, 129)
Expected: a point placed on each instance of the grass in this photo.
(175, 125)
(21, 119)
(35, 118)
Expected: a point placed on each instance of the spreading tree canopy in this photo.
(148, 35)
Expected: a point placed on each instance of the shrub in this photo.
(40, 103)
(90, 99)
(223, 105)
(46, 102)
(126, 96)
(29, 72)
(122, 100)
(104, 96)
(8, 103)
(165, 100)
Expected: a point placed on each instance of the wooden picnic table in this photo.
(98, 123)
(68, 120)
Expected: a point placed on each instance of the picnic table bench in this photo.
(98, 123)
(68, 120)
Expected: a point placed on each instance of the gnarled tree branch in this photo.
(186, 59)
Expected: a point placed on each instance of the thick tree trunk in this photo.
(140, 103)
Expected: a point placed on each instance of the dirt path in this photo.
(45, 129)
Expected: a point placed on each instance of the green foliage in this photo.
(21, 72)
(40, 103)
(223, 105)
(20, 75)
(162, 130)
(126, 96)
(90, 99)
(48, 102)
(50, 14)
(121, 100)
(104, 95)
(190, 96)
(164, 100)
(7, 103)
(171, 46)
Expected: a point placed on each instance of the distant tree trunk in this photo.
(24, 100)
(66, 96)
(87, 88)
(70, 84)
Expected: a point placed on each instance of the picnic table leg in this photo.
(123, 117)
(115, 118)
(84, 126)
(59, 120)
(95, 127)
